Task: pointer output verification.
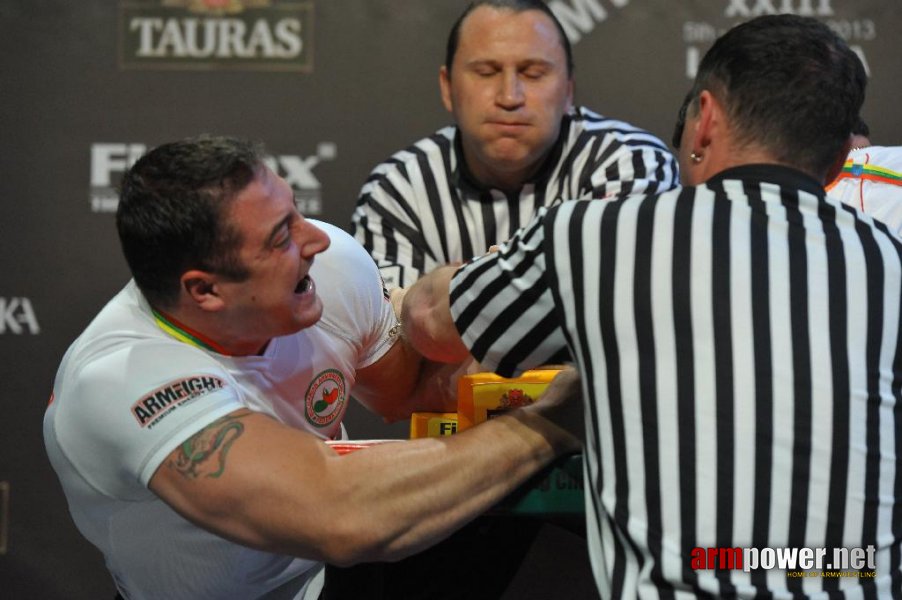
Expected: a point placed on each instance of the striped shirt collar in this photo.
(772, 173)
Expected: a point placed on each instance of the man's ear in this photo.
(710, 117)
(444, 84)
(202, 289)
(838, 163)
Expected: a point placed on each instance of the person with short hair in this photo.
(737, 340)
(518, 144)
(189, 421)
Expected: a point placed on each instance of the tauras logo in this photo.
(157, 404)
(241, 34)
(17, 317)
(110, 160)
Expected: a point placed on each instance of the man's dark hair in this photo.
(513, 5)
(172, 207)
(789, 84)
(861, 128)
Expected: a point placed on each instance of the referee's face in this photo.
(508, 90)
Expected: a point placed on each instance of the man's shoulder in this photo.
(886, 157)
(345, 273)
(343, 258)
(629, 207)
(124, 333)
(439, 144)
(351, 289)
(125, 318)
(585, 121)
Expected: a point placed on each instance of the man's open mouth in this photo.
(305, 285)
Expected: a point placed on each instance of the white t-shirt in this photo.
(871, 181)
(127, 393)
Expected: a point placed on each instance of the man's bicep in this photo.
(244, 477)
(204, 455)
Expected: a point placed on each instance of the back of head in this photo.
(789, 85)
(172, 206)
(516, 6)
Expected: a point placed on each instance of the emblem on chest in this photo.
(325, 398)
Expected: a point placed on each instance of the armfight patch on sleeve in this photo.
(155, 406)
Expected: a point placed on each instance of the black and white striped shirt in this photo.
(421, 209)
(741, 356)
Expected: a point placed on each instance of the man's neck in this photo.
(195, 331)
(509, 183)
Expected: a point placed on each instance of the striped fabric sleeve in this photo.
(503, 307)
(387, 231)
(633, 163)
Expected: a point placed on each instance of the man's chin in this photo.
(514, 153)
(310, 315)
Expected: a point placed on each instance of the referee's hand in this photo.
(562, 404)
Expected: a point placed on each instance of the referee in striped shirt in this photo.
(738, 340)
(518, 145)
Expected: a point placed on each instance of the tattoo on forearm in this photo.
(204, 453)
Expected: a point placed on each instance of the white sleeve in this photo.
(355, 302)
(120, 414)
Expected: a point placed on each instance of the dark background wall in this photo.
(78, 100)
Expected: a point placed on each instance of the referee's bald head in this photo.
(516, 6)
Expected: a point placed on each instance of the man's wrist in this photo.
(562, 442)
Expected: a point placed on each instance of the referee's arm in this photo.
(635, 168)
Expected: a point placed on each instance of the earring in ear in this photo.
(696, 158)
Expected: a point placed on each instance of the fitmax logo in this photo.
(298, 173)
(110, 161)
(17, 317)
